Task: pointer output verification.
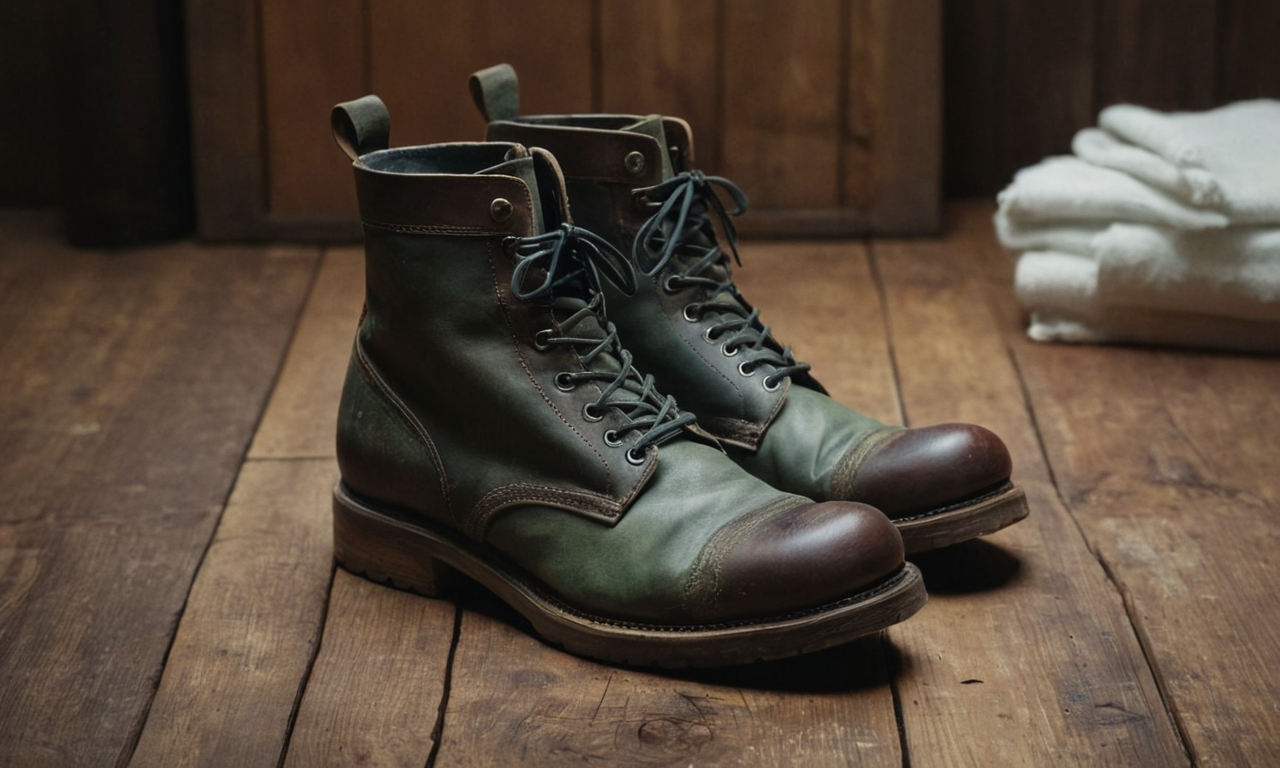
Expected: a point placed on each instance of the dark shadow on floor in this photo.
(968, 567)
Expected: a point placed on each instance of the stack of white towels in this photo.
(1161, 229)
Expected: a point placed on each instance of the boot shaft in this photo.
(452, 358)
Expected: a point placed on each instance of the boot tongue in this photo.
(652, 126)
(522, 168)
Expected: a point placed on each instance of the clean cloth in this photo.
(1232, 272)
(1061, 292)
(1228, 157)
(1070, 189)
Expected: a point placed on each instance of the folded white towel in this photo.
(1195, 186)
(1065, 236)
(1061, 292)
(1233, 272)
(1238, 146)
(1069, 189)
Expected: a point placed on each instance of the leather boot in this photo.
(492, 424)
(632, 180)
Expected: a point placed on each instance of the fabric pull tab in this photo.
(361, 126)
(496, 92)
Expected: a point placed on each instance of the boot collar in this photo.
(594, 148)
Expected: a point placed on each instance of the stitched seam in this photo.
(847, 472)
(604, 508)
(506, 315)
(434, 229)
(704, 589)
(411, 421)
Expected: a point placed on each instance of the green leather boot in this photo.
(632, 180)
(492, 424)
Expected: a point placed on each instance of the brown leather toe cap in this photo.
(925, 468)
(803, 557)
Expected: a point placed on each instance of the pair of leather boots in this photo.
(508, 412)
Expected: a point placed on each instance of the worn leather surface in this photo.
(795, 438)
(451, 411)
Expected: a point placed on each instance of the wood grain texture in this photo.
(375, 691)
(227, 118)
(515, 701)
(301, 417)
(132, 384)
(421, 61)
(892, 148)
(310, 61)
(1189, 535)
(1026, 656)
(649, 64)
(1049, 69)
(1169, 65)
(251, 624)
(781, 120)
(973, 78)
(1247, 67)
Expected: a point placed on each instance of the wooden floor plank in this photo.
(1025, 655)
(1175, 487)
(513, 700)
(375, 692)
(251, 624)
(132, 382)
(303, 411)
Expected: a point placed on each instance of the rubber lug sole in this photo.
(967, 520)
(393, 551)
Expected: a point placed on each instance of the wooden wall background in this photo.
(827, 111)
(1022, 76)
(827, 106)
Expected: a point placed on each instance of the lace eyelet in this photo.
(774, 387)
(565, 382)
(707, 337)
(541, 340)
(746, 369)
(691, 313)
(669, 284)
(590, 414)
(636, 459)
(728, 350)
(611, 438)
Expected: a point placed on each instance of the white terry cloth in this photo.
(1192, 185)
(1060, 291)
(1064, 237)
(1237, 145)
(1069, 189)
(1233, 272)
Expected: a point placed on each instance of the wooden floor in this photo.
(168, 596)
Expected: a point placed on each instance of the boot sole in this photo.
(386, 549)
(967, 520)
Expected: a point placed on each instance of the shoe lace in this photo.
(571, 259)
(681, 235)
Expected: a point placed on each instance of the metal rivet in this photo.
(635, 163)
(500, 209)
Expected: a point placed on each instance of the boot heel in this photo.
(371, 546)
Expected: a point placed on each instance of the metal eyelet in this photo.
(745, 370)
(541, 340)
(636, 459)
(565, 382)
(590, 414)
(707, 337)
(669, 284)
(611, 438)
(777, 384)
(691, 313)
(729, 350)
